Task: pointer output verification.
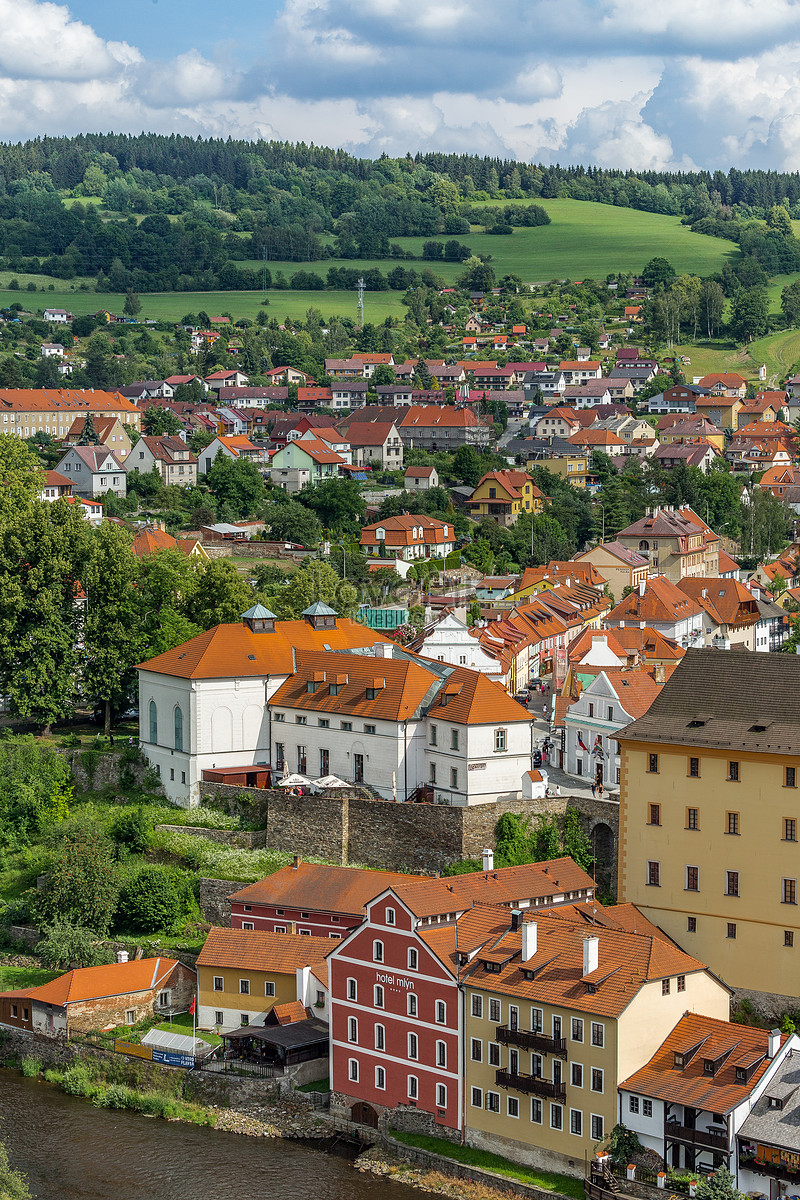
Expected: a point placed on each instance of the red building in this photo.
(395, 1029)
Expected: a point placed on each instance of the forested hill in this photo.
(156, 213)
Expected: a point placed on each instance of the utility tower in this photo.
(360, 318)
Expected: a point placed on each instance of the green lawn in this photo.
(549, 1181)
(780, 352)
(320, 1085)
(183, 1024)
(14, 978)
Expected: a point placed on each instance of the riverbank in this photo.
(383, 1163)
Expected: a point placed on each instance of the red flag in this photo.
(192, 1007)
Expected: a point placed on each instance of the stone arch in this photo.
(604, 851)
(364, 1114)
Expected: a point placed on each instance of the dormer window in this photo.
(774, 1102)
(678, 1061)
(709, 1066)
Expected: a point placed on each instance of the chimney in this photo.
(529, 940)
(642, 586)
(382, 649)
(298, 858)
(122, 956)
(591, 956)
(774, 1042)
(488, 860)
(516, 919)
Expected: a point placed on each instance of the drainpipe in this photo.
(405, 761)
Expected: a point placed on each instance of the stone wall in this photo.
(113, 1010)
(416, 1120)
(94, 770)
(255, 840)
(213, 900)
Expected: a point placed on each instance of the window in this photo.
(694, 768)
(476, 1050)
(731, 883)
(537, 1020)
(493, 1102)
(789, 829)
(347, 726)
(380, 1078)
(788, 937)
(692, 818)
(476, 1097)
(647, 1108)
(411, 1004)
(301, 720)
(244, 987)
(536, 1111)
(556, 1116)
(413, 1087)
(732, 823)
(692, 879)
(664, 987)
(352, 1029)
(377, 952)
(219, 983)
(494, 1011)
(576, 1121)
(244, 1019)
(591, 709)
(279, 756)
(441, 1054)
(378, 996)
(652, 764)
(477, 1005)
(352, 1070)
(597, 1128)
(453, 739)
(301, 760)
(413, 958)
(577, 1029)
(248, 925)
(352, 989)
(610, 712)
(172, 772)
(733, 772)
(390, 915)
(597, 1079)
(494, 1054)
(454, 778)
(279, 929)
(789, 890)
(633, 1104)
(441, 1012)
(178, 728)
(130, 1016)
(731, 929)
(598, 1034)
(413, 1045)
(500, 740)
(577, 1075)
(219, 1018)
(791, 777)
(369, 729)
(434, 735)
(512, 1106)
(269, 989)
(432, 773)
(655, 814)
(153, 714)
(654, 874)
(380, 1037)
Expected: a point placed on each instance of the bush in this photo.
(152, 899)
(77, 1080)
(132, 830)
(31, 1067)
(83, 885)
(65, 946)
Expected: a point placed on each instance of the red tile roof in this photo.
(95, 983)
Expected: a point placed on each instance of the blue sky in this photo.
(646, 85)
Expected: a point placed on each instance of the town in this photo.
(326, 697)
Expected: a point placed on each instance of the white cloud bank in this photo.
(645, 85)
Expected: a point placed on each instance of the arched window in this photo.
(153, 713)
(178, 727)
(644, 545)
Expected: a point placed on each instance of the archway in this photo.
(602, 837)
(364, 1114)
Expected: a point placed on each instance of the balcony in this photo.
(533, 1084)
(529, 1039)
(773, 1170)
(696, 1137)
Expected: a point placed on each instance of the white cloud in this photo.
(42, 41)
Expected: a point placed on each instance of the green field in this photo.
(13, 979)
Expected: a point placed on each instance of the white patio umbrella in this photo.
(330, 781)
(291, 781)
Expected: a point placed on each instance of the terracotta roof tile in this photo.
(115, 979)
(312, 886)
(253, 950)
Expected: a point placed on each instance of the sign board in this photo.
(476, 767)
(172, 1059)
(133, 1048)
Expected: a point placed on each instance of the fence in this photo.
(237, 1066)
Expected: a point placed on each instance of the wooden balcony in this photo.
(528, 1039)
(696, 1137)
(532, 1084)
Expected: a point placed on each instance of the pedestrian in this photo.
(594, 788)
(558, 789)
(600, 791)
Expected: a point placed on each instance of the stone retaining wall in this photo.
(213, 900)
(247, 840)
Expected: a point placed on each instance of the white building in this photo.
(93, 470)
(615, 697)
(450, 641)
(327, 696)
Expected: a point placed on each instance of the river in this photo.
(73, 1151)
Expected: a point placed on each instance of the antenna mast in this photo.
(360, 319)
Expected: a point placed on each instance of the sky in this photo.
(651, 84)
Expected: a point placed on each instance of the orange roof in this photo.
(662, 601)
(504, 887)
(49, 399)
(429, 415)
(595, 437)
(726, 563)
(148, 541)
(702, 1039)
(320, 888)
(400, 686)
(725, 600)
(318, 450)
(250, 949)
(287, 1014)
(234, 650)
(237, 442)
(636, 688)
(468, 933)
(56, 479)
(96, 983)
(569, 364)
(728, 379)
(626, 642)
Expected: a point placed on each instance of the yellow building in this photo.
(243, 973)
(503, 495)
(558, 1011)
(708, 844)
(620, 566)
(24, 412)
(572, 467)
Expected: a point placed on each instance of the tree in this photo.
(220, 595)
(576, 841)
(83, 885)
(293, 522)
(236, 483)
(467, 466)
(712, 304)
(21, 478)
(132, 829)
(157, 421)
(778, 219)
(35, 791)
(42, 555)
(113, 635)
(66, 947)
(133, 305)
(623, 1144)
(338, 504)
(153, 899)
(545, 842)
(718, 1186)
(659, 272)
(316, 581)
(383, 376)
(790, 302)
(749, 314)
